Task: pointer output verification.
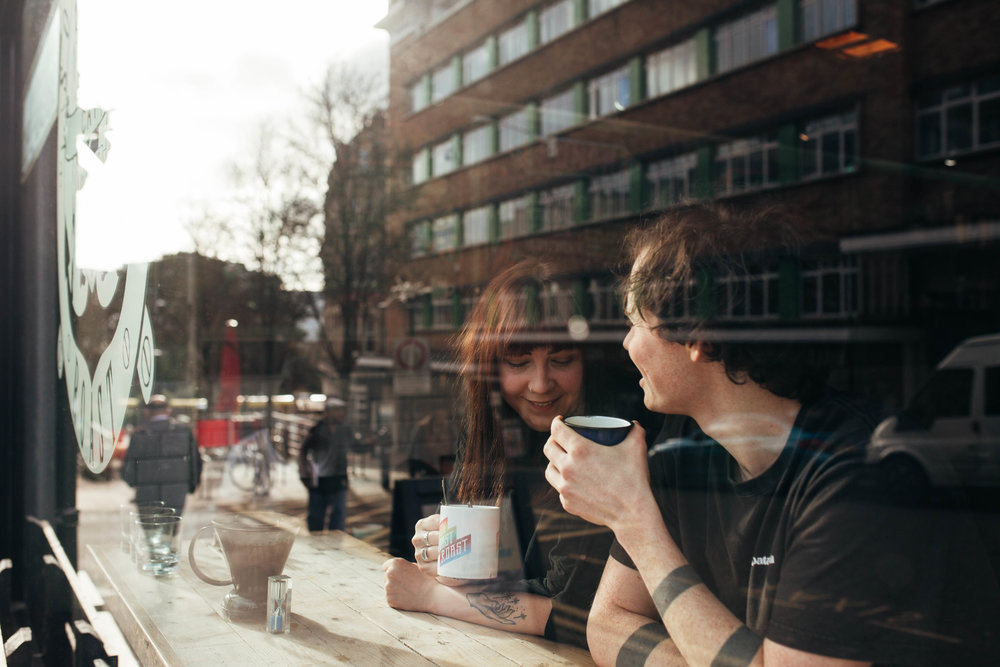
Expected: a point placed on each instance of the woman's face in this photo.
(541, 383)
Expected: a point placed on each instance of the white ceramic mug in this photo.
(469, 539)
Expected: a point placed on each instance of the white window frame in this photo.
(610, 195)
(814, 160)
(556, 206)
(747, 39)
(442, 313)
(555, 20)
(843, 272)
(609, 93)
(671, 69)
(476, 145)
(443, 158)
(738, 292)
(557, 305)
(514, 217)
(512, 43)
(558, 112)
(949, 100)
(818, 18)
(476, 226)
(663, 177)
(737, 157)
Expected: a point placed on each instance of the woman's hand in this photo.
(406, 587)
(425, 544)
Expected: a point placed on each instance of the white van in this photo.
(949, 434)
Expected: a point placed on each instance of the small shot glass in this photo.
(279, 604)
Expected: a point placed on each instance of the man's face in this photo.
(666, 367)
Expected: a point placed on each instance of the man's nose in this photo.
(628, 337)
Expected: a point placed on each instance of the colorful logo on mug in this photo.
(452, 547)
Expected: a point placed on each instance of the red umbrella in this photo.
(229, 373)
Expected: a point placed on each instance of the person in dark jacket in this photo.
(323, 468)
(162, 462)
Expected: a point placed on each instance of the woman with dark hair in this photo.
(515, 378)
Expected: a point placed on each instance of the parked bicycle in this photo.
(249, 463)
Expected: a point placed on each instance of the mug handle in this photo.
(194, 566)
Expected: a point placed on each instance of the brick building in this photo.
(551, 127)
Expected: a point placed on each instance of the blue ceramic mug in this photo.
(602, 430)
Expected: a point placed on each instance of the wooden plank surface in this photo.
(339, 616)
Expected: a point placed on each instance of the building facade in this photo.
(551, 128)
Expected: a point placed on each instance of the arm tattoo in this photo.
(739, 649)
(500, 608)
(640, 645)
(673, 585)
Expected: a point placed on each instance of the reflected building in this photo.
(552, 128)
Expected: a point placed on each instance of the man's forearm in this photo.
(703, 630)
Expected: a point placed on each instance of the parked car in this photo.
(949, 433)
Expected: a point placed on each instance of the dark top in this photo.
(812, 554)
(162, 463)
(562, 556)
(326, 446)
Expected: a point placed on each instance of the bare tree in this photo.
(358, 251)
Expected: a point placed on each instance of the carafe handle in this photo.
(194, 566)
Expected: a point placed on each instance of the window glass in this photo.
(442, 82)
(959, 119)
(476, 63)
(443, 158)
(514, 130)
(420, 172)
(746, 164)
(476, 144)
(827, 145)
(444, 233)
(671, 179)
(558, 112)
(513, 43)
(670, 69)
(557, 207)
(595, 7)
(476, 226)
(514, 217)
(609, 93)
(609, 195)
(746, 39)
(418, 95)
(946, 394)
(420, 238)
(555, 20)
(822, 17)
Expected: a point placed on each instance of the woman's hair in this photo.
(504, 321)
(676, 263)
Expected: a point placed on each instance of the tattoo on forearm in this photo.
(739, 649)
(640, 645)
(501, 608)
(672, 586)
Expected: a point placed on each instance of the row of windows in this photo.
(534, 29)
(826, 289)
(959, 119)
(736, 43)
(820, 147)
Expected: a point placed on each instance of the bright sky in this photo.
(188, 83)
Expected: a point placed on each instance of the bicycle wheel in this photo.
(243, 470)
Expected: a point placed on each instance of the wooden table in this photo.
(339, 616)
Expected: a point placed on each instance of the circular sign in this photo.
(411, 354)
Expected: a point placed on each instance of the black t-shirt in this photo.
(813, 555)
